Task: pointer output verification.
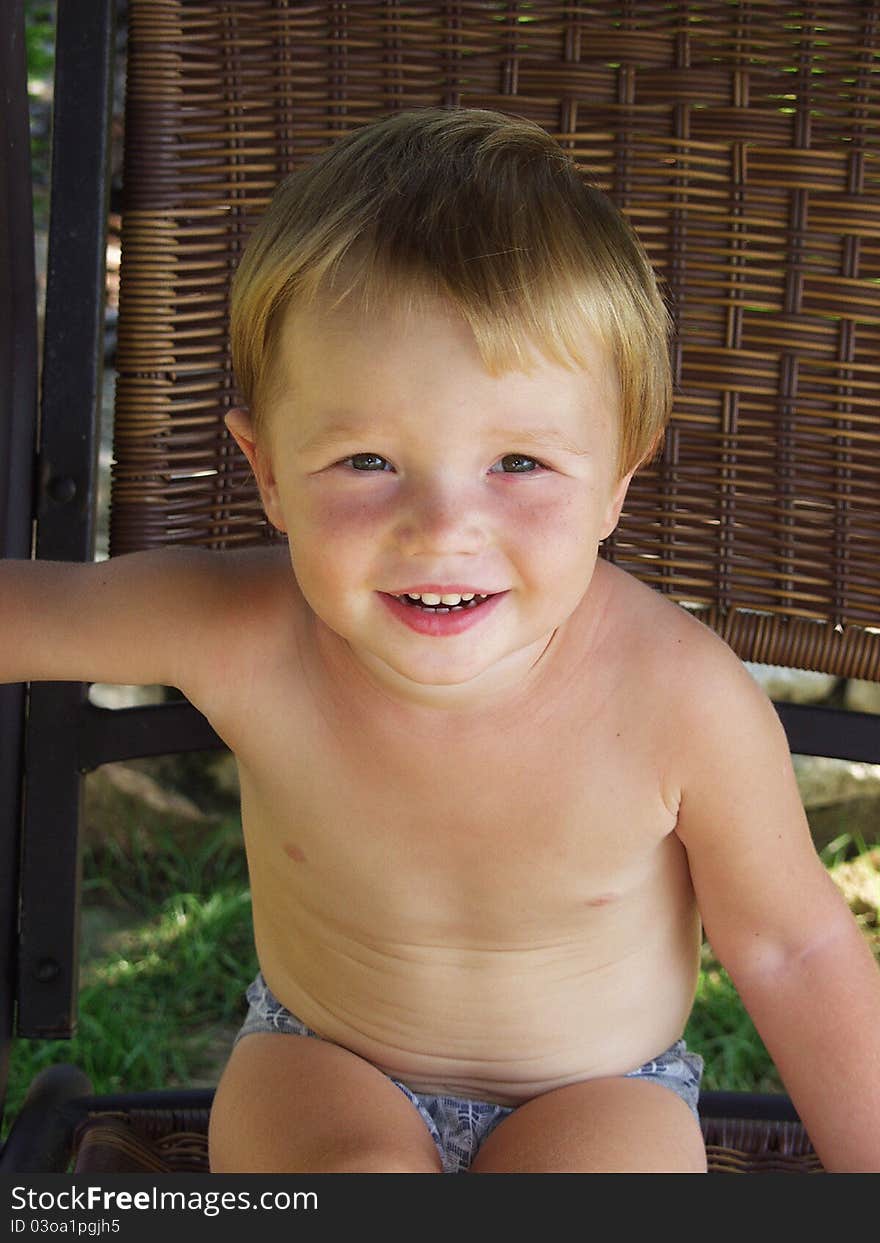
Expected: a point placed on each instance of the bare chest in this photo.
(497, 837)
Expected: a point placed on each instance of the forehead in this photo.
(345, 366)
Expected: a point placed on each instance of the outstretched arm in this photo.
(772, 914)
(144, 618)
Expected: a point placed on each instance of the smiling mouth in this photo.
(416, 602)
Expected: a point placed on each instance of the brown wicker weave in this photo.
(176, 1142)
(741, 139)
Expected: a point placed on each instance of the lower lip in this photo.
(441, 624)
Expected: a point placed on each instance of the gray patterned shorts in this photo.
(457, 1125)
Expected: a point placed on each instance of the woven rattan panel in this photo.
(165, 1141)
(742, 140)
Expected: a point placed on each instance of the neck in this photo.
(522, 681)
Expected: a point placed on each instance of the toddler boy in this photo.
(491, 784)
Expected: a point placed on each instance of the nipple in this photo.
(602, 899)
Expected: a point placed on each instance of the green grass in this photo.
(160, 1002)
(40, 49)
(147, 1011)
(719, 1027)
(148, 862)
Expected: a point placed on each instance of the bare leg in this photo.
(598, 1126)
(293, 1104)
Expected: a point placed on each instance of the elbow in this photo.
(768, 962)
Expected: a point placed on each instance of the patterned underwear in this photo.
(458, 1125)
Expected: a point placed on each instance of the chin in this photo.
(419, 676)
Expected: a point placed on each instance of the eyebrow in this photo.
(333, 434)
(539, 437)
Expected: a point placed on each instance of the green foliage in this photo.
(148, 1010)
(40, 45)
(158, 1006)
(144, 862)
(844, 847)
(39, 18)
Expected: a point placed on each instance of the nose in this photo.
(440, 516)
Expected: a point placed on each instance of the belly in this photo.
(480, 1006)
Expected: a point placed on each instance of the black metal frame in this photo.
(48, 485)
(67, 735)
(18, 417)
(837, 733)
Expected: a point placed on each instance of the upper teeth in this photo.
(449, 599)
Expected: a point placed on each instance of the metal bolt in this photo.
(62, 489)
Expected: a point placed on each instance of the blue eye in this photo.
(374, 463)
(519, 459)
(365, 463)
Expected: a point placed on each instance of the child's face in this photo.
(396, 464)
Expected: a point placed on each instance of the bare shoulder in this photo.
(700, 692)
(208, 615)
(246, 597)
(711, 678)
(260, 572)
(673, 642)
(658, 635)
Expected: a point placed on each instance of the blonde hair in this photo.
(488, 212)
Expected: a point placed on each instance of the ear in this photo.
(615, 504)
(241, 428)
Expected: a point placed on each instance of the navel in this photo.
(293, 852)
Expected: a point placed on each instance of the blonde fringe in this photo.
(484, 211)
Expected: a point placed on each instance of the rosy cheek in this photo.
(344, 511)
(544, 515)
